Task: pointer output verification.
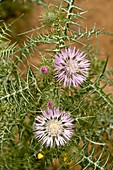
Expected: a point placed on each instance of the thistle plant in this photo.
(59, 109)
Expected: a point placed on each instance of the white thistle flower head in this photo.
(71, 67)
(53, 127)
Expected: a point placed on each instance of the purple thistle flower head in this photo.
(71, 67)
(53, 127)
(44, 70)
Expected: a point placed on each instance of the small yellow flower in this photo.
(65, 158)
(40, 156)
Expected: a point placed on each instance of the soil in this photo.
(101, 13)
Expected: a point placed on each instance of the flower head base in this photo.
(53, 127)
(71, 67)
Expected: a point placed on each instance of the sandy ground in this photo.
(101, 13)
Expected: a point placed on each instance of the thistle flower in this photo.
(49, 16)
(50, 104)
(71, 67)
(53, 127)
(44, 70)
